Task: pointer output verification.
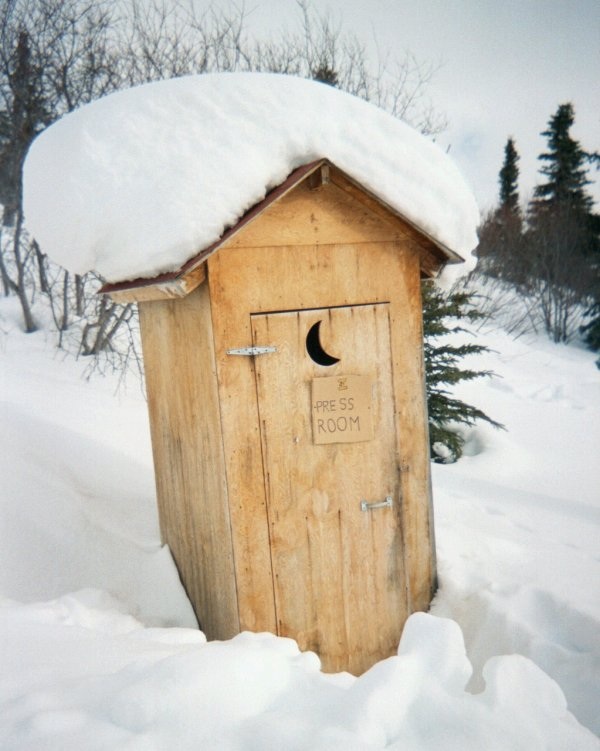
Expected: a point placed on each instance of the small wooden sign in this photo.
(341, 409)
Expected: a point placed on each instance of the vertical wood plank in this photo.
(244, 462)
(302, 278)
(246, 280)
(340, 583)
(409, 377)
(187, 444)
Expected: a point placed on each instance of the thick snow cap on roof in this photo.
(138, 182)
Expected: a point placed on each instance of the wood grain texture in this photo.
(165, 290)
(244, 506)
(299, 219)
(299, 277)
(188, 455)
(347, 212)
(340, 586)
(432, 259)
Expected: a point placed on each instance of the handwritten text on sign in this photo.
(341, 409)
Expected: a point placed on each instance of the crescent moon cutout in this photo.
(315, 348)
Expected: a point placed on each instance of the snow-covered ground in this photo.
(98, 648)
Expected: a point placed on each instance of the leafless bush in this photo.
(56, 55)
(166, 38)
(538, 278)
(559, 281)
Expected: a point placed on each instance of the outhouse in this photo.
(275, 232)
(284, 371)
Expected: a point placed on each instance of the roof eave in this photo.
(182, 281)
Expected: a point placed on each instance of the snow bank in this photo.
(80, 676)
(518, 517)
(517, 529)
(138, 182)
(77, 503)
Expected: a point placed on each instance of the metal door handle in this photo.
(251, 351)
(364, 506)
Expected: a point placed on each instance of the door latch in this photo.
(251, 351)
(364, 506)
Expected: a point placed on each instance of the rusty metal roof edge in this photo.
(295, 177)
(273, 195)
(279, 191)
(451, 255)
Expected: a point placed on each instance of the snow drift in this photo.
(517, 541)
(101, 681)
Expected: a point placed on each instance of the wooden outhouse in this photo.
(284, 370)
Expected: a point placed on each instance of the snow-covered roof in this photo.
(135, 184)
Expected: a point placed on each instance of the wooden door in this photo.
(338, 570)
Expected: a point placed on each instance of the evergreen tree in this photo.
(442, 370)
(501, 232)
(562, 200)
(563, 166)
(562, 243)
(509, 179)
(591, 330)
(551, 256)
(22, 119)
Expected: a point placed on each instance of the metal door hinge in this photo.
(251, 351)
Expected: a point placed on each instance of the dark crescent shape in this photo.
(315, 349)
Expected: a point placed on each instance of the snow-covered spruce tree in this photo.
(442, 313)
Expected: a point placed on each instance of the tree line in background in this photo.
(548, 252)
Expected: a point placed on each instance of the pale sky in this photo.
(505, 66)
